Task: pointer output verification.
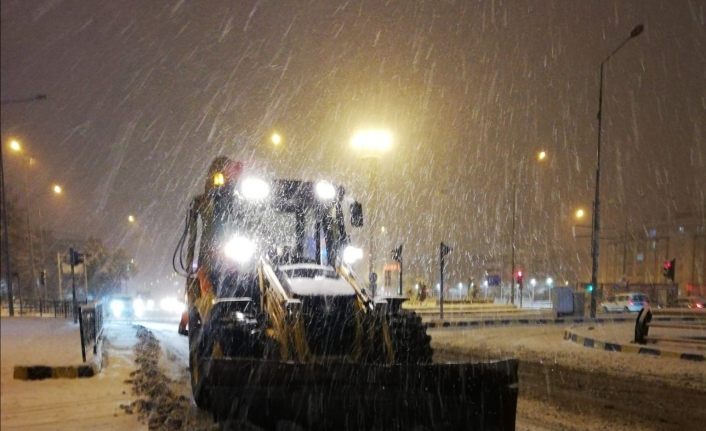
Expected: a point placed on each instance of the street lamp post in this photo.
(541, 157)
(372, 144)
(5, 240)
(3, 208)
(595, 231)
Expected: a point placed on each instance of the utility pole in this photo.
(595, 233)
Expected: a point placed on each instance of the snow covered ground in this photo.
(565, 386)
(145, 379)
(78, 404)
(546, 344)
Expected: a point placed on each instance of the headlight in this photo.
(254, 189)
(239, 249)
(171, 305)
(139, 306)
(325, 191)
(352, 254)
(116, 307)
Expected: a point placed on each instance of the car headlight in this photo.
(116, 307)
(325, 190)
(171, 305)
(254, 189)
(139, 306)
(239, 249)
(352, 254)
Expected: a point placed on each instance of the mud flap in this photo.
(365, 396)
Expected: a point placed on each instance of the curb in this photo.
(435, 324)
(508, 322)
(629, 348)
(41, 372)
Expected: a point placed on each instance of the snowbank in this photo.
(77, 404)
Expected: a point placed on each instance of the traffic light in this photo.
(518, 277)
(397, 254)
(43, 277)
(444, 249)
(589, 288)
(669, 268)
(75, 257)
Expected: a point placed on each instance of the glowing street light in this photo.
(131, 218)
(580, 213)
(57, 189)
(372, 143)
(276, 139)
(541, 156)
(15, 146)
(549, 281)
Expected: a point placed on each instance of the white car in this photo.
(632, 301)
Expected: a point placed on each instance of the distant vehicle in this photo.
(121, 307)
(140, 307)
(693, 302)
(632, 301)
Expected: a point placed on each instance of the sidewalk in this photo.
(79, 404)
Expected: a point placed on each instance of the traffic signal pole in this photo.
(443, 251)
(441, 282)
(73, 284)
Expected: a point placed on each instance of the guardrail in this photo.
(670, 318)
(90, 320)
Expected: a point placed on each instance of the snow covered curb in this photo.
(507, 322)
(478, 323)
(41, 372)
(570, 334)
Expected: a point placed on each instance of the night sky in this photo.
(143, 95)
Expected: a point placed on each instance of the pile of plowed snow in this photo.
(158, 405)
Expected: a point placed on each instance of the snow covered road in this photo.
(564, 386)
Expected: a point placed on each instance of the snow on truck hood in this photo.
(316, 280)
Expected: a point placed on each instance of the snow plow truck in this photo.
(282, 330)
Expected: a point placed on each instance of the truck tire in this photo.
(199, 387)
(410, 341)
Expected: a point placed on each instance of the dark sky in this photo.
(143, 95)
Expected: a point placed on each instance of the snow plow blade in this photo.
(352, 396)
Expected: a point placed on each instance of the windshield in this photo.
(288, 235)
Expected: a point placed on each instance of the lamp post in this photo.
(541, 157)
(3, 208)
(372, 144)
(596, 226)
(16, 147)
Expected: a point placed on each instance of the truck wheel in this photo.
(409, 339)
(199, 388)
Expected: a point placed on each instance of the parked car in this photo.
(632, 301)
(693, 302)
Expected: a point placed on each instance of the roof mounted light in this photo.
(325, 191)
(219, 179)
(254, 189)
